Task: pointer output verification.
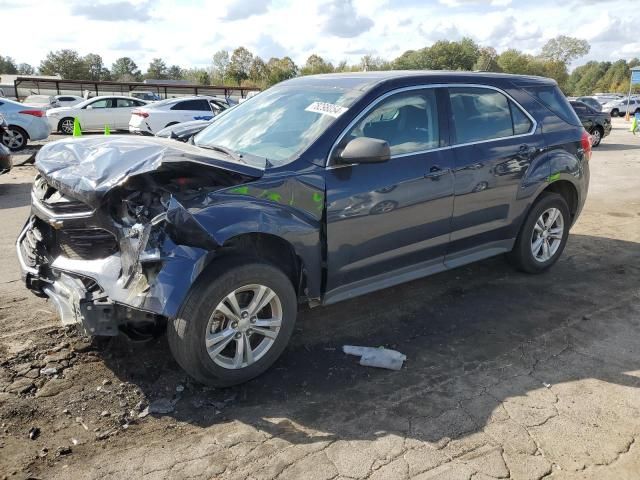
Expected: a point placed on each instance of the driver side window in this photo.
(104, 103)
(407, 121)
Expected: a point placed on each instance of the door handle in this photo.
(436, 172)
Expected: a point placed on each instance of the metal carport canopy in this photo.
(32, 85)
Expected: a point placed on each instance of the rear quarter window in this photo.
(552, 98)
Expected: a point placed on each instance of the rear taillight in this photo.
(585, 142)
(140, 113)
(35, 113)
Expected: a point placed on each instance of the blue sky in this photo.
(188, 32)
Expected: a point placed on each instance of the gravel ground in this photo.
(508, 375)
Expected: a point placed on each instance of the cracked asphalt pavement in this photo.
(507, 375)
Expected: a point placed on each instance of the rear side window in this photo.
(552, 98)
(125, 102)
(197, 105)
(481, 114)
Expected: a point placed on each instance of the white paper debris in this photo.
(376, 357)
(330, 109)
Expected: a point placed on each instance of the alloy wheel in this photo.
(13, 139)
(67, 126)
(596, 137)
(244, 326)
(547, 235)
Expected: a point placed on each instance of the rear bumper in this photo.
(39, 129)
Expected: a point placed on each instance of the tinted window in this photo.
(138, 103)
(125, 102)
(480, 114)
(407, 121)
(198, 105)
(552, 98)
(104, 103)
(66, 99)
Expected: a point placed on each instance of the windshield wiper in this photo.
(227, 151)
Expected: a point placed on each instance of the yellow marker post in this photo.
(77, 131)
(107, 130)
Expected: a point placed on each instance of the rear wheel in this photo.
(615, 112)
(66, 126)
(596, 136)
(14, 138)
(543, 235)
(235, 323)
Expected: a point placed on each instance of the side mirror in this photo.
(89, 107)
(365, 150)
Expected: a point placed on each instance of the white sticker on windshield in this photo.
(326, 109)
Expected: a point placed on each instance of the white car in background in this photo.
(619, 108)
(94, 114)
(153, 117)
(68, 100)
(43, 102)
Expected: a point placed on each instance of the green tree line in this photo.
(242, 67)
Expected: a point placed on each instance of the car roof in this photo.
(367, 80)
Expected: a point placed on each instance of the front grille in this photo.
(55, 201)
(86, 244)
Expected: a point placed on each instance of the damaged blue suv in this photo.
(317, 190)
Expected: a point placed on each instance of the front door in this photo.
(389, 222)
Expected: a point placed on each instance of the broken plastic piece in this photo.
(376, 357)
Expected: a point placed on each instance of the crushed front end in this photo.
(117, 251)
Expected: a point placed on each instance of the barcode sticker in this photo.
(326, 109)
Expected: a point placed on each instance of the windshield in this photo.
(279, 123)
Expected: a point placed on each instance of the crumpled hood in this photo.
(88, 168)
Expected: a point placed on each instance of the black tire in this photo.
(186, 334)
(15, 139)
(615, 112)
(62, 126)
(637, 111)
(522, 256)
(597, 139)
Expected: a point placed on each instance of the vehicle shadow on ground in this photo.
(471, 335)
(15, 195)
(614, 147)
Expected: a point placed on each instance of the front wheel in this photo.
(235, 323)
(543, 235)
(65, 126)
(596, 136)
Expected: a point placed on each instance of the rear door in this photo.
(389, 222)
(494, 143)
(196, 109)
(121, 114)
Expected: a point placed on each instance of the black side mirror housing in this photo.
(365, 150)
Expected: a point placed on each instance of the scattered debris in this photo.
(64, 450)
(376, 357)
(34, 432)
(547, 385)
(43, 453)
(106, 382)
(49, 371)
(180, 388)
(105, 413)
(79, 420)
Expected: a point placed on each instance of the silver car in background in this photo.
(25, 123)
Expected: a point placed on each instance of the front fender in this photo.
(290, 209)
